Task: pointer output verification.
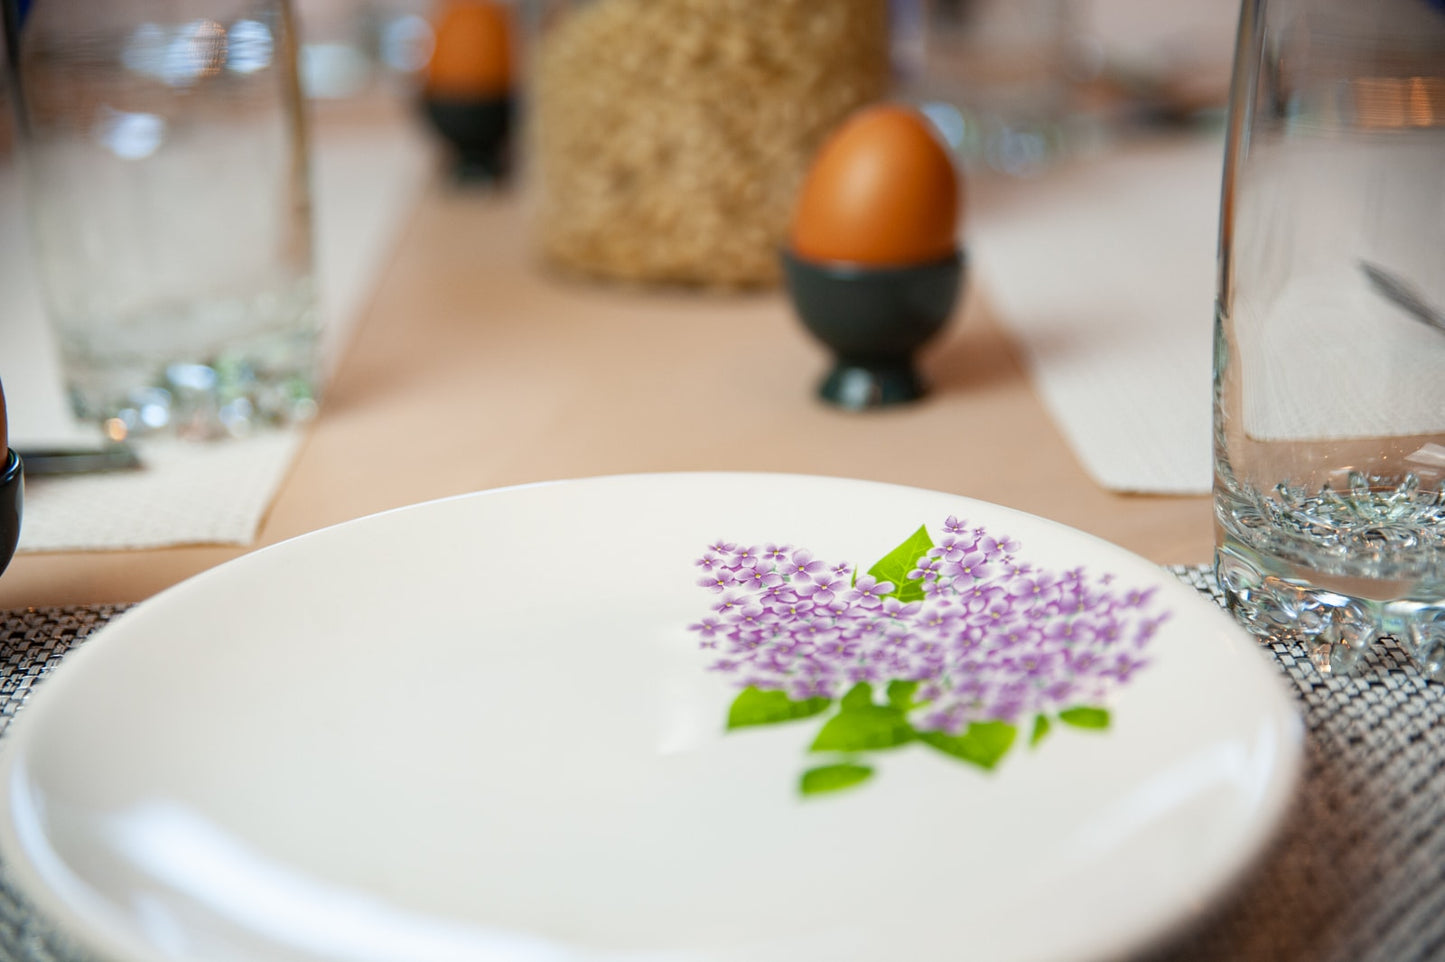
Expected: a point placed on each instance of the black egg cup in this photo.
(12, 497)
(479, 131)
(874, 320)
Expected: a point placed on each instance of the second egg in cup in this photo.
(872, 262)
(468, 93)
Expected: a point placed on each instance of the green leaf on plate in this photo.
(896, 565)
(753, 706)
(1041, 728)
(864, 728)
(984, 743)
(832, 778)
(900, 695)
(859, 696)
(1096, 719)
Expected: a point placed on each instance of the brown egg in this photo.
(472, 52)
(882, 191)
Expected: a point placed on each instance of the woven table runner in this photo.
(1356, 875)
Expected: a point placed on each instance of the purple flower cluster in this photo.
(993, 638)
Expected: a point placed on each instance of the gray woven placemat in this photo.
(1357, 874)
(32, 642)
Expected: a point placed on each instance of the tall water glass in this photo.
(1329, 367)
(163, 149)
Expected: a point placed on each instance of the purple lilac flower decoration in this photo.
(985, 638)
(868, 591)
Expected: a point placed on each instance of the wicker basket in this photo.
(670, 136)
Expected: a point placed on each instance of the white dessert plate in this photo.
(660, 718)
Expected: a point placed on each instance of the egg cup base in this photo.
(859, 387)
(12, 497)
(479, 131)
(874, 320)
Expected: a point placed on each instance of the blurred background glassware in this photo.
(352, 49)
(165, 168)
(996, 76)
(1329, 386)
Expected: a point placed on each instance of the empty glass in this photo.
(163, 149)
(1330, 339)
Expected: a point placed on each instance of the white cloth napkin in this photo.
(212, 494)
(365, 181)
(1104, 273)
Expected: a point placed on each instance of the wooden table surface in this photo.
(474, 367)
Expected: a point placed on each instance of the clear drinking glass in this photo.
(1329, 384)
(163, 151)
